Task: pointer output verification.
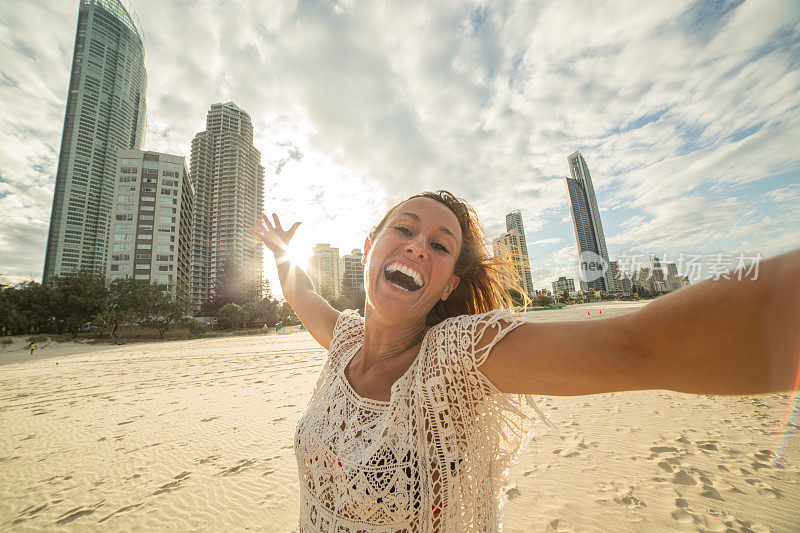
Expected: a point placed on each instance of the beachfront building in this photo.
(105, 112)
(323, 270)
(588, 228)
(151, 221)
(229, 196)
(508, 248)
(352, 271)
(562, 284)
(514, 222)
(622, 281)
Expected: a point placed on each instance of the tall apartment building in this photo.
(105, 112)
(323, 270)
(151, 221)
(562, 284)
(587, 225)
(352, 271)
(514, 222)
(229, 196)
(508, 248)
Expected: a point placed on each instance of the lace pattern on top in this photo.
(433, 458)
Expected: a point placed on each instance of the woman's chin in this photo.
(395, 302)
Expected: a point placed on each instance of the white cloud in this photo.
(361, 104)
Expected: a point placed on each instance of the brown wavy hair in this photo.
(485, 281)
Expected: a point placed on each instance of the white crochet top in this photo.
(433, 458)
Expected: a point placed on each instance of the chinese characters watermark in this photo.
(687, 267)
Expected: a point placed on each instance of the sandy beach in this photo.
(197, 435)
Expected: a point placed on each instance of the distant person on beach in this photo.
(33, 347)
(422, 405)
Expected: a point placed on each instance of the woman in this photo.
(420, 409)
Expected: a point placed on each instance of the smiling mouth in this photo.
(402, 277)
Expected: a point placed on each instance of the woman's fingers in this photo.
(277, 222)
(291, 231)
(266, 222)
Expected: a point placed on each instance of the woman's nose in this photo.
(417, 249)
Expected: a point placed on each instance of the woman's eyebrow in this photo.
(416, 218)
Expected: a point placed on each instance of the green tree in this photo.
(542, 300)
(164, 312)
(230, 316)
(78, 298)
(128, 300)
(27, 307)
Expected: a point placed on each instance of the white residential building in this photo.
(151, 221)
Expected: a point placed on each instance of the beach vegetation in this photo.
(230, 316)
(78, 298)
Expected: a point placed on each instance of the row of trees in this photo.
(75, 302)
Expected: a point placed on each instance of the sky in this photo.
(687, 113)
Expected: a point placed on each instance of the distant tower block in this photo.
(514, 222)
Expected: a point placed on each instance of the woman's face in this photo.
(409, 266)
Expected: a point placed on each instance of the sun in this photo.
(299, 253)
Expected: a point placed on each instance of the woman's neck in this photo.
(386, 340)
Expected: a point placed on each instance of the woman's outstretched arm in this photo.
(313, 311)
(717, 337)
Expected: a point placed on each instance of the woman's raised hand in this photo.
(273, 235)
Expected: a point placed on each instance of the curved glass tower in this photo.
(105, 112)
(586, 221)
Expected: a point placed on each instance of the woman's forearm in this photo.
(295, 283)
(726, 336)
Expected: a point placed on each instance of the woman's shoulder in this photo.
(474, 334)
(480, 320)
(349, 329)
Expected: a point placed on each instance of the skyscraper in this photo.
(105, 113)
(151, 222)
(514, 221)
(229, 196)
(595, 274)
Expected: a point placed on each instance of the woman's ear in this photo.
(450, 287)
(367, 246)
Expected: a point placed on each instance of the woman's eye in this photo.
(441, 247)
(403, 230)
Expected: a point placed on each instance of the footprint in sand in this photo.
(764, 488)
(629, 500)
(74, 514)
(29, 512)
(238, 467)
(512, 493)
(682, 478)
(119, 511)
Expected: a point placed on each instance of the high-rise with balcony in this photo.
(588, 228)
(229, 196)
(508, 248)
(514, 222)
(352, 271)
(105, 112)
(151, 222)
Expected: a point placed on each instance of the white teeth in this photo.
(407, 271)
